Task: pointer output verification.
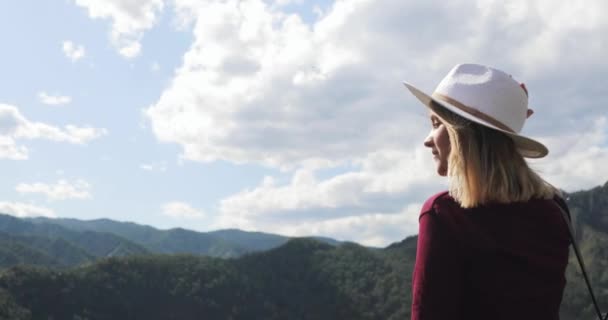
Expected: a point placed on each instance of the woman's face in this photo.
(439, 142)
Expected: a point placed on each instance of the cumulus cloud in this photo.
(331, 91)
(383, 181)
(261, 86)
(375, 203)
(181, 210)
(23, 210)
(290, 96)
(302, 97)
(62, 190)
(53, 99)
(129, 20)
(578, 159)
(73, 51)
(14, 126)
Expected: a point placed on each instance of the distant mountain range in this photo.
(50, 244)
(300, 279)
(70, 242)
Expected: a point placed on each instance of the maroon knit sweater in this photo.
(500, 261)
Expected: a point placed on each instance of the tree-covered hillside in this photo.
(589, 211)
(302, 279)
(68, 247)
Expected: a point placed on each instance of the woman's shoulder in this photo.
(438, 201)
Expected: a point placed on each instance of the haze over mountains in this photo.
(109, 270)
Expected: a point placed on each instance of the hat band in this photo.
(472, 111)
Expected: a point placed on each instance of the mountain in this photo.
(589, 211)
(70, 242)
(65, 246)
(42, 251)
(227, 243)
(17, 251)
(301, 279)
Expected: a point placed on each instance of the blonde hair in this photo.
(485, 167)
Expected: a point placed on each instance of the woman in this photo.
(495, 245)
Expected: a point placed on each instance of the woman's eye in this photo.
(436, 124)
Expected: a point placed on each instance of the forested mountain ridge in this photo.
(589, 211)
(227, 243)
(63, 246)
(42, 251)
(302, 279)
(69, 242)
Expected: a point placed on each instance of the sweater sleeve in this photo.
(438, 272)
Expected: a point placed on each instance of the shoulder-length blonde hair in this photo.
(485, 167)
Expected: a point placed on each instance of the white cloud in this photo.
(130, 50)
(9, 149)
(287, 2)
(62, 190)
(53, 99)
(332, 91)
(14, 126)
(371, 229)
(129, 20)
(359, 200)
(257, 106)
(181, 210)
(73, 51)
(160, 166)
(389, 176)
(578, 159)
(23, 210)
(303, 97)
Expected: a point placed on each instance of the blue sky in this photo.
(280, 116)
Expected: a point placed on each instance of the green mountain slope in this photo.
(302, 279)
(67, 247)
(589, 210)
(41, 251)
(16, 251)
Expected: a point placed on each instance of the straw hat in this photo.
(489, 97)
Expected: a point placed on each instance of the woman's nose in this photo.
(428, 142)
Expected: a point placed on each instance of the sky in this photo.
(281, 116)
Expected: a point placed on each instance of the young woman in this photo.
(495, 245)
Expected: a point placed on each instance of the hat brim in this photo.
(527, 147)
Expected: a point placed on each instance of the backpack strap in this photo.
(566, 215)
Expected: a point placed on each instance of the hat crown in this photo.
(489, 91)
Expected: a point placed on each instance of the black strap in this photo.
(565, 213)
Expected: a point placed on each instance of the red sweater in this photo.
(501, 261)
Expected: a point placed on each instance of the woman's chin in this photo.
(442, 171)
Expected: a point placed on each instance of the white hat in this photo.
(489, 97)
